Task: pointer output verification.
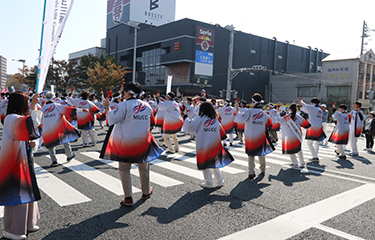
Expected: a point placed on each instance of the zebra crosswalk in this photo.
(64, 194)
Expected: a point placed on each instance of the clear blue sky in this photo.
(331, 25)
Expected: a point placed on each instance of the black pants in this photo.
(369, 141)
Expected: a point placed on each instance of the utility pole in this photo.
(230, 61)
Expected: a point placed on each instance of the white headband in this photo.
(135, 95)
(256, 102)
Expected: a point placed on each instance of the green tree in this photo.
(25, 76)
(106, 77)
(64, 75)
(89, 61)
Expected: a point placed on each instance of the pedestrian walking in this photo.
(369, 130)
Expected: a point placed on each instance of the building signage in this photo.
(204, 57)
(152, 12)
(204, 51)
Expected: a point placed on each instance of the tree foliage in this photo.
(25, 76)
(106, 77)
(64, 75)
(90, 61)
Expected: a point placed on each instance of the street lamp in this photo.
(20, 60)
(135, 26)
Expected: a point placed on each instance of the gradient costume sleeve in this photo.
(17, 179)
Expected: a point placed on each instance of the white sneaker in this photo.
(14, 236)
(33, 229)
(207, 185)
(293, 166)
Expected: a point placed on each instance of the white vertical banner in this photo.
(55, 14)
(52, 88)
(169, 84)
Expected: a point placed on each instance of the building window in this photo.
(307, 91)
(338, 91)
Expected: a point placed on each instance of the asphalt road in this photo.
(332, 199)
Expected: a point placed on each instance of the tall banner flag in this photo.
(169, 83)
(55, 14)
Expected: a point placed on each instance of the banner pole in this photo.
(41, 45)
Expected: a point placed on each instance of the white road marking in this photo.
(104, 180)
(62, 193)
(295, 222)
(157, 178)
(337, 232)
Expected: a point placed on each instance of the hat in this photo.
(323, 105)
(50, 95)
(373, 113)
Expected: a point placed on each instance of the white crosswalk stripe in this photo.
(154, 177)
(62, 193)
(104, 180)
(193, 160)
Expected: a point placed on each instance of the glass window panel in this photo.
(334, 91)
(157, 52)
(344, 92)
(152, 61)
(307, 91)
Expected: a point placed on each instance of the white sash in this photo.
(293, 127)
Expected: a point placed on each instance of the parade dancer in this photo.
(86, 120)
(241, 126)
(210, 152)
(129, 140)
(191, 112)
(257, 143)
(3, 109)
(56, 129)
(324, 122)
(159, 117)
(340, 133)
(172, 121)
(227, 114)
(292, 135)
(356, 125)
(275, 125)
(19, 189)
(315, 133)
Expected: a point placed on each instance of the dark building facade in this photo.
(186, 52)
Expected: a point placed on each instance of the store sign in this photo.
(204, 57)
(204, 51)
(152, 12)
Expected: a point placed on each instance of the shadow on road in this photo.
(193, 201)
(92, 227)
(290, 176)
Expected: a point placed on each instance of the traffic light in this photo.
(235, 94)
(222, 93)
